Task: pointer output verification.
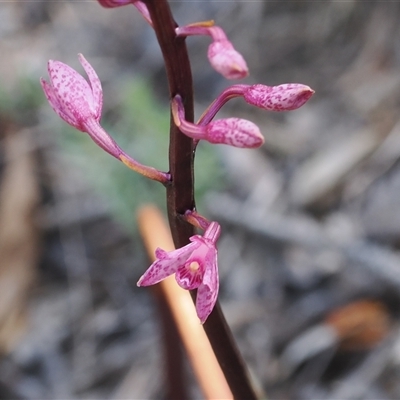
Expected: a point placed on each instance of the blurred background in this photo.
(309, 254)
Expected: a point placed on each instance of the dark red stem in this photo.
(180, 193)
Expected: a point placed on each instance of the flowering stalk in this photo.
(180, 194)
(194, 262)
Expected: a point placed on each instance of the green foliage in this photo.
(21, 102)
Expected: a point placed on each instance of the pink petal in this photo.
(235, 132)
(97, 93)
(157, 271)
(166, 265)
(53, 100)
(72, 91)
(207, 292)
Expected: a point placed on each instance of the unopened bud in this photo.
(235, 132)
(285, 97)
(226, 60)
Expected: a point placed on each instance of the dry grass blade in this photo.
(18, 238)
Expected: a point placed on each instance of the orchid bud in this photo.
(78, 103)
(285, 97)
(226, 60)
(235, 132)
(221, 53)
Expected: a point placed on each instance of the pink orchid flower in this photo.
(235, 132)
(79, 103)
(195, 267)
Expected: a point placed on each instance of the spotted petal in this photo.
(166, 264)
(73, 92)
(207, 292)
